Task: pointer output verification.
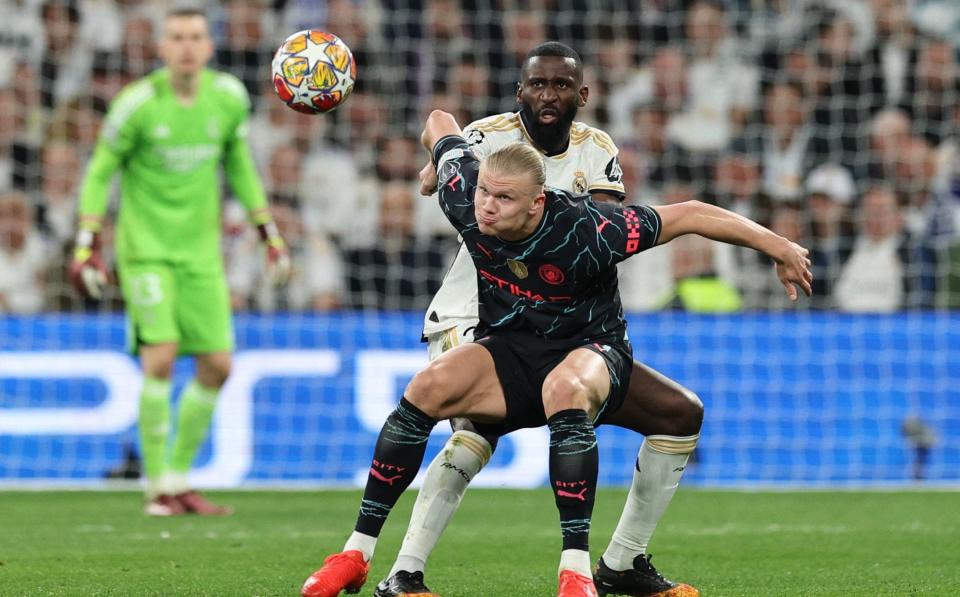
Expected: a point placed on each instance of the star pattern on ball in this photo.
(313, 56)
(314, 71)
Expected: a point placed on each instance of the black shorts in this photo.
(523, 363)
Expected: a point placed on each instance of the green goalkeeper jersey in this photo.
(170, 154)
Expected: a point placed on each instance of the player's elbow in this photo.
(440, 124)
(691, 208)
(440, 117)
(429, 135)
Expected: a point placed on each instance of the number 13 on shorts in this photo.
(148, 293)
(146, 289)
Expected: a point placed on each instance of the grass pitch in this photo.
(501, 543)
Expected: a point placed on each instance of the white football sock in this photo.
(176, 483)
(447, 478)
(365, 543)
(577, 560)
(660, 464)
(155, 487)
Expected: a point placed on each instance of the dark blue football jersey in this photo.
(560, 283)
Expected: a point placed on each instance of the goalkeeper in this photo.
(168, 133)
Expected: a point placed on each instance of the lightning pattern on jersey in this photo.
(560, 283)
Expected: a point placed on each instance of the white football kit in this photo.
(588, 165)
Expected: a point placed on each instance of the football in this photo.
(313, 71)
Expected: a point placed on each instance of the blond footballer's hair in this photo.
(518, 158)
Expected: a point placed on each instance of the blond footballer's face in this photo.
(507, 205)
(186, 46)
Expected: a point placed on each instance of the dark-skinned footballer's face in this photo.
(550, 92)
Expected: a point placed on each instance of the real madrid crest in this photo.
(579, 182)
(518, 268)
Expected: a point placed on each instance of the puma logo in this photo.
(388, 480)
(485, 250)
(679, 469)
(580, 496)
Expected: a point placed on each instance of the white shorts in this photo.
(456, 300)
(441, 342)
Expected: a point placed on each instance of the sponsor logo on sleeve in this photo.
(453, 154)
(613, 171)
(474, 136)
(447, 171)
(633, 230)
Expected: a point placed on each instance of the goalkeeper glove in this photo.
(278, 257)
(87, 272)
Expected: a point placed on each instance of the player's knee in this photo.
(159, 368)
(220, 374)
(562, 392)
(690, 417)
(428, 390)
(213, 372)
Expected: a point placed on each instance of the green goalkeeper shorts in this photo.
(169, 302)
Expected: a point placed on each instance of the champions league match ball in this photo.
(313, 71)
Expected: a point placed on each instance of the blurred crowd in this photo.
(834, 122)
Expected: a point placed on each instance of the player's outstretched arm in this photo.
(710, 221)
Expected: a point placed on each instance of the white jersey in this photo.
(588, 165)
